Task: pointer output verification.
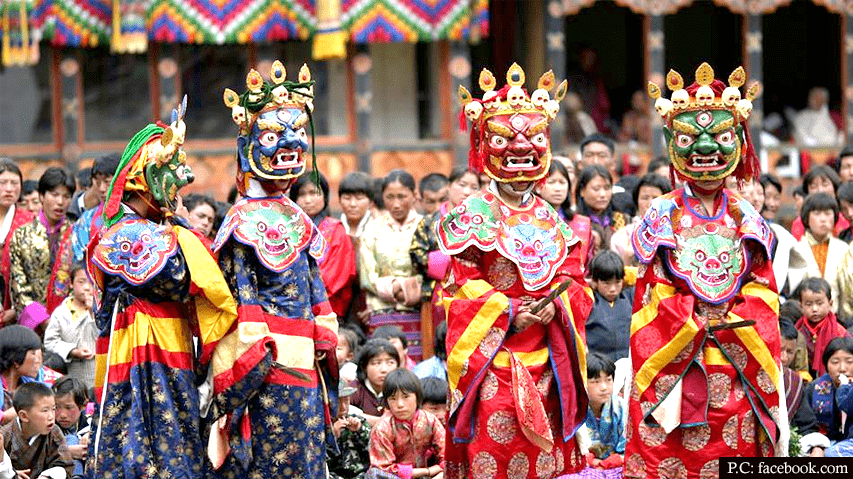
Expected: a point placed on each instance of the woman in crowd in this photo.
(13, 217)
(337, 263)
(594, 197)
(429, 261)
(556, 191)
(650, 187)
(389, 278)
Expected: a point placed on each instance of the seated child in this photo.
(831, 396)
(608, 328)
(800, 414)
(435, 366)
(792, 310)
(376, 359)
(353, 436)
(395, 336)
(606, 416)
(818, 324)
(347, 346)
(435, 397)
(33, 444)
(407, 442)
(71, 401)
(71, 332)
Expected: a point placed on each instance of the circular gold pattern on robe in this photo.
(685, 353)
(502, 274)
(484, 466)
(719, 389)
(518, 465)
(544, 383)
(737, 354)
(635, 466)
(737, 389)
(501, 427)
(652, 436)
(491, 342)
(629, 431)
(558, 455)
(489, 387)
(672, 468)
(764, 382)
(747, 427)
(695, 438)
(664, 384)
(646, 406)
(711, 470)
(730, 432)
(545, 465)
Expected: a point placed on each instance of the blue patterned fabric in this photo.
(146, 421)
(287, 436)
(287, 421)
(150, 426)
(608, 430)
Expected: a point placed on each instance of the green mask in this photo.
(164, 180)
(705, 144)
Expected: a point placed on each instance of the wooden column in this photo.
(362, 68)
(753, 57)
(71, 111)
(847, 75)
(654, 67)
(459, 66)
(555, 59)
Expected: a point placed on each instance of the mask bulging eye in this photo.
(682, 140)
(268, 138)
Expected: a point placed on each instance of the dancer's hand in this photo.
(524, 318)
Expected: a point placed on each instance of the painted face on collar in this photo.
(704, 145)
(273, 148)
(164, 180)
(518, 146)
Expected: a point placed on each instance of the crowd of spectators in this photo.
(383, 272)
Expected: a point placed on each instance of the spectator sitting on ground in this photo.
(407, 441)
(819, 324)
(435, 366)
(435, 397)
(71, 401)
(394, 335)
(34, 446)
(606, 415)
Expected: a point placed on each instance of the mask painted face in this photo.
(165, 180)
(704, 145)
(136, 250)
(278, 237)
(714, 264)
(535, 249)
(518, 146)
(273, 148)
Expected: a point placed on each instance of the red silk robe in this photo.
(337, 265)
(516, 397)
(701, 394)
